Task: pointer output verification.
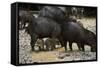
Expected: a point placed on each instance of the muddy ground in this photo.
(57, 55)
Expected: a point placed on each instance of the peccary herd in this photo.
(52, 23)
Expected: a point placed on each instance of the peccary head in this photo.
(93, 43)
(91, 40)
(24, 17)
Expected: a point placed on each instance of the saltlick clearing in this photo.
(59, 54)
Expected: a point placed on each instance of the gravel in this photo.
(25, 55)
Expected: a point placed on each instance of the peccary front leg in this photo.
(70, 45)
(41, 44)
(82, 45)
(64, 42)
(61, 41)
(33, 41)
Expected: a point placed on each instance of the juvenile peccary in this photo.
(51, 44)
(40, 44)
(73, 32)
(47, 44)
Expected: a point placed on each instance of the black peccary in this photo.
(53, 12)
(40, 27)
(27, 17)
(77, 12)
(73, 32)
(57, 13)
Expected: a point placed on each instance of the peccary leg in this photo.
(47, 48)
(33, 40)
(79, 46)
(61, 41)
(53, 44)
(93, 48)
(42, 44)
(82, 45)
(65, 45)
(70, 45)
